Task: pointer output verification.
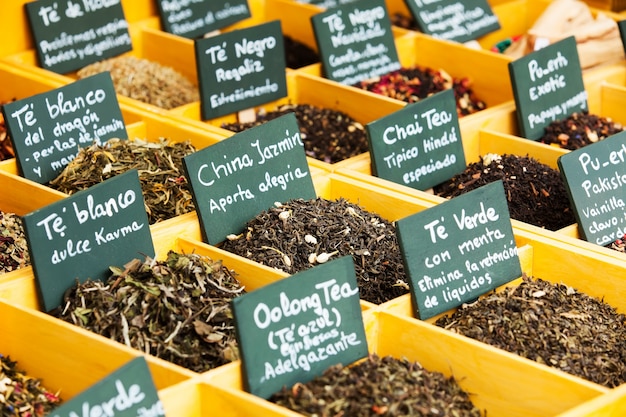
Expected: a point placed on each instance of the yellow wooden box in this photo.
(487, 72)
(500, 383)
(26, 196)
(66, 358)
(148, 42)
(611, 404)
(15, 22)
(144, 125)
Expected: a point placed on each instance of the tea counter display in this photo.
(493, 376)
(492, 391)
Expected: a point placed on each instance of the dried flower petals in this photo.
(414, 84)
(22, 395)
(579, 130)
(6, 146)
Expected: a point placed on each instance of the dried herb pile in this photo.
(13, 246)
(177, 309)
(416, 83)
(300, 234)
(22, 395)
(328, 135)
(146, 81)
(160, 166)
(579, 130)
(535, 192)
(552, 324)
(6, 146)
(378, 387)
(297, 54)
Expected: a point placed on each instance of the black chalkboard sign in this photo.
(241, 69)
(547, 86)
(80, 236)
(622, 32)
(71, 34)
(420, 145)
(355, 41)
(47, 129)
(459, 250)
(127, 392)
(453, 20)
(294, 329)
(595, 178)
(194, 18)
(235, 179)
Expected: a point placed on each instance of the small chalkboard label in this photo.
(81, 236)
(595, 178)
(47, 129)
(241, 69)
(355, 41)
(235, 179)
(294, 329)
(194, 18)
(71, 34)
(454, 20)
(547, 86)
(622, 32)
(459, 250)
(127, 392)
(420, 145)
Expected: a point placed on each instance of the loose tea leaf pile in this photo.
(414, 84)
(146, 81)
(378, 386)
(13, 246)
(328, 135)
(303, 233)
(404, 21)
(160, 166)
(22, 395)
(535, 192)
(579, 130)
(6, 146)
(177, 309)
(298, 55)
(552, 324)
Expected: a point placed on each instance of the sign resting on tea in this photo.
(294, 329)
(547, 86)
(237, 178)
(453, 20)
(595, 179)
(458, 250)
(194, 18)
(48, 129)
(241, 69)
(70, 35)
(355, 41)
(420, 145)
(81, 236)
(127, 392)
